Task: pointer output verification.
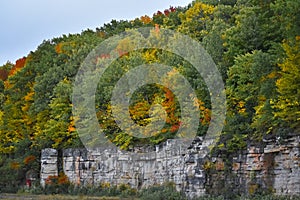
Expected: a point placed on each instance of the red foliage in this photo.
(122, 53)
(51, 180)
(3, 74)
(172, 9)
(104, 56)
(20, 63)
(159, 13)
(167, 12)
(174, 128)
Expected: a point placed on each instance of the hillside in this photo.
(254, 44)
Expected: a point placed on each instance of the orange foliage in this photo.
(62, 179)
(29, 96)
(103, 56)
(29, 159)
(102, 34)
(58, 48)
(164, 130)
(156, 28)
(71, 127)
(146, 19)
(20, 63)
(170, 105)
(61, 47)
(15, 165)
(124, 47)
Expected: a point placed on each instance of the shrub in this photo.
(166, 191)
(57, 184)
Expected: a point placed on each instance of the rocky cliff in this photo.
(271, 167)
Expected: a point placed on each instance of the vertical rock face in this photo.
(48, 164)
(286, 169)
(274, 168)
(165, 163)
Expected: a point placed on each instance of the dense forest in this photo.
(255, 45)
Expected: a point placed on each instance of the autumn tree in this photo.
(288, 103)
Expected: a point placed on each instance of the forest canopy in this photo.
(255, 45)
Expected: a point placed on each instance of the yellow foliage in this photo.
(151, 56)
(208, 165)
(194, 20)
(1, 115)
(124, 46)
(272, 75)
(288, 104)
(241, 107)
(205, 112)
(139, 112)
(105, 185)
(198, 8)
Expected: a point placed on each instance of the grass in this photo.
(56, 197)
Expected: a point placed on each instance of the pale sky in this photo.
(26, 23)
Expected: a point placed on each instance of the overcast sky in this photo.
(26, 23)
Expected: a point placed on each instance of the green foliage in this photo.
(255, 45)
(166, 191)
(61, 185)
(14, 167)
(59, 130)
(145, 96)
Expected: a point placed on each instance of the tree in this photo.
(194, 20)
(245, 36)
(59, 130)
(247, 97)
(288, 103)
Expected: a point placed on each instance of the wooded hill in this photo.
(255, 45)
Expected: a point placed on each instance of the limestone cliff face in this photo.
(273, 167)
